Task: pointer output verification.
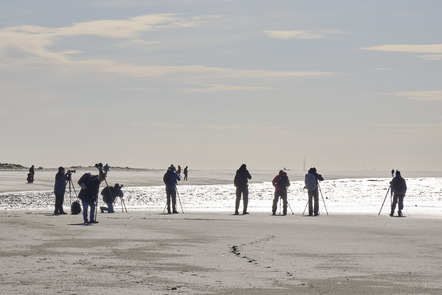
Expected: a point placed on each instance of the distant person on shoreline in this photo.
(186, 170)
(59, 189)
(170, 179)
(280, 182)
(242, 188)
(90, 186)
(31, 174)
(179, 170)
(311, 180)
(398, 190)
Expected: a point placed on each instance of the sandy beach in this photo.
(146, 252)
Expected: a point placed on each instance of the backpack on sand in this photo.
(75, 208)
(310, 182)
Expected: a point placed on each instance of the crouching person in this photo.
(90, 186)
(109, 194)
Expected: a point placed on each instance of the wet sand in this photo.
(145, 252)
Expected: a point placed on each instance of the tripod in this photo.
(71, 186)
(288, 204)
(384, 200)
(179, 199)
(392, 174)
(323, 201)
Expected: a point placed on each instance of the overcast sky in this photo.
(213, 84)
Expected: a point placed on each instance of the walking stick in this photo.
(322, 198)
(384, 200)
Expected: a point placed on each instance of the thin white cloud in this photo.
(32, 45)
(196, 70)
(166, 124)
(407, 48)
(382, 69)
(431, 56)
(211, 88)
(300, 34)
(408, 126)
(435, 95)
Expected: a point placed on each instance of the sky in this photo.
(213, 84)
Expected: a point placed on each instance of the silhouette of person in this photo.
(31, 174)
(170, 179)
(311, 183)
(280, 182)
(89, 195)
(59, 189)
(398, 190)
(186, 171)
(110, 193)
(242, 188)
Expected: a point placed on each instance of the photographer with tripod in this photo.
(280, 182)
(90, 186)
(61, 178)
(170, 179)
(398, 190)
(312, 179)
(110, 193)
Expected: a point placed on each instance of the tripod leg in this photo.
(179, 199)
(305, 207)
(124, 204)
(293, 213)
(323, 199)
(280, 205)
(384, 201)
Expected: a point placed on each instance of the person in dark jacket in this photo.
(280, 182)
(242, 188)
(59, 189)
(170, 179)
(110, 193)
(31, 174)
(186, 171)
(90, 187)
(398, 190)
(313, 194)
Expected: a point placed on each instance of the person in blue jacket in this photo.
(170, 179)
(59, 189)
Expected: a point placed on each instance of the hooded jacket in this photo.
(242, 177)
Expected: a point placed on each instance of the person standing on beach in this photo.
(59, 189)
(31, 174)
(280, 182)
(90, 186)
(186, 170)
(312, 179)
(242, 188)
(170, 179)
(398, 190)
